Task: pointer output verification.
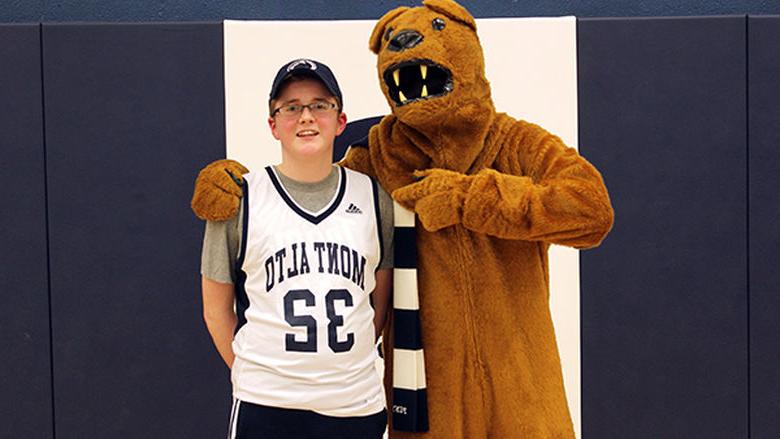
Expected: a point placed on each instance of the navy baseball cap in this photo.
(306, 67)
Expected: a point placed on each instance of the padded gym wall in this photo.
(186, 10)
(764, 204)
(132, 112)
(25, 370)
(664, 300)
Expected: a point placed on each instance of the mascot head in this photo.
(432, 73)
(429, 59)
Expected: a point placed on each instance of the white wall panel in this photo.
(532, 67)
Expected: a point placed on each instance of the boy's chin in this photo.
(312, 148)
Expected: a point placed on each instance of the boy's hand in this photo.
(437, 198)
(218, 190)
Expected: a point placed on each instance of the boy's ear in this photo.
(342, 123)
(272, 125)
(452, 10)
(375, 42)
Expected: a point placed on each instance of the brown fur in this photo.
(217, 194)
(496, 193)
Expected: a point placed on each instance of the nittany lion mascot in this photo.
(490, 193)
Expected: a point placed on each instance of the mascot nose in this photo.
(406, 39)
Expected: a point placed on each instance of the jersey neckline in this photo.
(303, 213)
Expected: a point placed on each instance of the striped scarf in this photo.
(410, 399)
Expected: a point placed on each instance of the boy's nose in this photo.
(306, 114)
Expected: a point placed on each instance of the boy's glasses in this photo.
(318, 108)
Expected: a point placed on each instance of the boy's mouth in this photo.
(307, 133)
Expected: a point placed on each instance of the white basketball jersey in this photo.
(305, 336)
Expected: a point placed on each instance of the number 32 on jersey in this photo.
(310, 323)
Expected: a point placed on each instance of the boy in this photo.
(299, 263)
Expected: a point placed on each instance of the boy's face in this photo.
(306, 134)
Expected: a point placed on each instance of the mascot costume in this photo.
(490, 194)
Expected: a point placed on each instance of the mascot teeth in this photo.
(416, 80)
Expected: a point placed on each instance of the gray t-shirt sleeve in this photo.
(387, 226)
(221, 242)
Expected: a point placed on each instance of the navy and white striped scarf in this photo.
(410, 398)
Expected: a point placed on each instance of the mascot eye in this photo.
(438, 23)
(388, 32)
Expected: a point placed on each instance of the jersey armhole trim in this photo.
(379, 223)
(244, 226)
(242, 299)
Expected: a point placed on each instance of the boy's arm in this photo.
(381, 298)
(384, 273)
(220, 247)
(220, 316)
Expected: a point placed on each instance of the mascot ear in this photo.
(452, 10)
(375, 42)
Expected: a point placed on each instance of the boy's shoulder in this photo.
(218, 190)
(257, 173)
(360, 174)
(354, 172)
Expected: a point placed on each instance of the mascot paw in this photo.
(437, 198)
(218, 190)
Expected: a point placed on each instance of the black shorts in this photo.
(252, 421)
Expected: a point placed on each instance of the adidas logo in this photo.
(353, 209)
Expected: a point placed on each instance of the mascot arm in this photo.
(218, 190)
(437, 198)
(562, 200)
(357, 159)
